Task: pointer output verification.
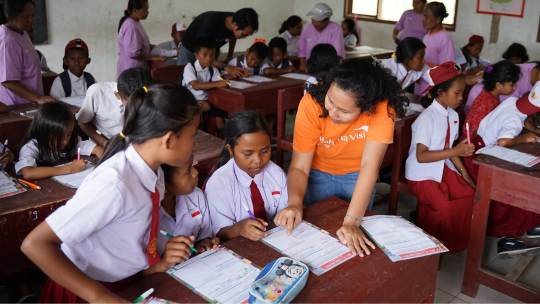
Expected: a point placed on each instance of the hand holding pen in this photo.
(7, 156)
(177, 250)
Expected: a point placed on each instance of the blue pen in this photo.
(5, 146)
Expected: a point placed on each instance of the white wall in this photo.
(96, 22)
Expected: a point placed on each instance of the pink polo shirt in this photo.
(411, 25)
(332, 34)
(132, 40)
(439, 49)
(19, 61)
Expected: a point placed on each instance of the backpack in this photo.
(240, 59)
(181, 77)
(66, 82)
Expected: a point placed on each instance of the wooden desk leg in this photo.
(396, 172)
(477, 236)
(211, 126)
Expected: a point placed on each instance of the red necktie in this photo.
(258, 202)
(151, 249)
(447, 140)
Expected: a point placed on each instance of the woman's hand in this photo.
(6, 158)
(351, 235)
(289, 218)
(303, 68)
(44, 99)
(159, 58)
(207, 244)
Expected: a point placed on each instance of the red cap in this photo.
(76, 43)
(442, 73)
(476, 39)
(530, 103)
(179, 27)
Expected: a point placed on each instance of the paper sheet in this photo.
(240, 85)
(154, 300)
(513, 156)
(217, 275)
(296, 76)
(8, 187)
(311, 245)
(257, 78)
(416, 107)
(74, 180)
(399, 239)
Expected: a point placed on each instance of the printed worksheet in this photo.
(510, 155)
(8, 187)
(399, 239)
(296, 76)
(217, 275)
(311, 245)
(240, 85)
(257, 78)
(154, 300)
(74, 180)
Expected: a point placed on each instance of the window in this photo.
(389, 11)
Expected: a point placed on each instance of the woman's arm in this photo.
(20, 90)
(230, 55)
(395, 33)
(303, 66)
(42, 246)
(297, 180)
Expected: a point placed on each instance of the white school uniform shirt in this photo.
(430, 130)
(459, 58)
(103, 109)
(78, 86)
(29, 153)
(192, 218)
(506, 121)
(350, 40)
(403, 77)
(105, 227)
(310, 81)
(292, 43)
(478, 62)
(201, 75)
(229, 186)
(167, 49)
(267, 63)
(244, 66)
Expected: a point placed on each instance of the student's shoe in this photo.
(534, 233)
(413, 217)
(508, 247)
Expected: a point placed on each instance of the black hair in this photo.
(245, 122)
(292, 21)
(246, 17)
(132, 4)
(408, 48)
(351, 26)
(131, 80)
(167, 107)
(278, 42)
(503, 71)
(207, 43)
(47, 129)
(366, 81)
(260, 49)
(168, 172)
(12, 8)
(323, 58)
(438, 9)
(442, 87)
(535, 117)
(516, 50)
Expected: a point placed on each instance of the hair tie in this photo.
(489, 69)
(127, 9)
(122, 134)
(259, 40)
(145, 89)
(428, 95)
(393, 55)
(375, 60)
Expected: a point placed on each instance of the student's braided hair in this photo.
(167, 107)
(132, 4)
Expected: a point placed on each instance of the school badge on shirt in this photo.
(196, 215)
(276, 194)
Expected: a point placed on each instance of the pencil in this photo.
(35, 187)
(144, 295)
(5, 146)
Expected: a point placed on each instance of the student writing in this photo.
(409, 64)
(251, 61)
(277, 61)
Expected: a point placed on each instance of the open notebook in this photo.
(74, 180)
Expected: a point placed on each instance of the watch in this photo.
(224, 65)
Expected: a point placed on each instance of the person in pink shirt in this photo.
(411, 22)
(20, 69)
(439, 44)
(133, 43)
(321, 30)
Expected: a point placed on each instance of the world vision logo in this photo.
(328, 143)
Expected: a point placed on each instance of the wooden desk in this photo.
(507, 183)
(371, 279)
(367, 51)
(206, 153)
(159, 64)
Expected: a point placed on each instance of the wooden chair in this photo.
(288, 99)
(171, 73)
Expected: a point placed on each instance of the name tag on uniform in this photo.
(276, 194)
(196, 215)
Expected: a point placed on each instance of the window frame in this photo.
(348, 14)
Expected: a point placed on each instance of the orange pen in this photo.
(35, 187)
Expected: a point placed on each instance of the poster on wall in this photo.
(512, 8)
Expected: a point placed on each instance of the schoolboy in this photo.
(277, 61)
(171, 48)
(251, 61)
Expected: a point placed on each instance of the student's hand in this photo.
(351, 235)
(530, 137)
(290, 69)
(6, 158)
(472, 80)
(289, 218)
(207, 244)
(464, 149)
(469, 179)
(222, 84)
(77, 166)
(236, 72)
(252, 229)
(159, 58)
(45, 99)
(176, 251)
(303, 68)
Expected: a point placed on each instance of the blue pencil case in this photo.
(279, 282)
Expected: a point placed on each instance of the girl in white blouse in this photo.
(409, 65)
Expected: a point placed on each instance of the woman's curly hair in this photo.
(367, 81)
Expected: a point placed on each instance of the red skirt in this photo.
(504, 220)
(445, 209)
(55, 293)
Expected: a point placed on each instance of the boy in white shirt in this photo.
(171, 48)
(251, 61)
(277, 61)
(103, 107)
(74, 81)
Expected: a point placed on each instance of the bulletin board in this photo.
(512, 8)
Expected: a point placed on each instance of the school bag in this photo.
(279, 282)
(66, 82)
(240, 59)
(181, 77)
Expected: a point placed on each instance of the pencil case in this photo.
(279, 282)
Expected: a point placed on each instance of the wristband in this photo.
(354, 218)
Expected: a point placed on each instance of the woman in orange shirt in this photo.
(342, 130)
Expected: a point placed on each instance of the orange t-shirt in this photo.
(339, 147)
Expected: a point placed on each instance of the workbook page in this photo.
(257, 78)
(510, 155)
(296, 76)
(240, 85)
(74, 180)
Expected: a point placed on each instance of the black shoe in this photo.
(508, 247)
(534, 233)
(413, 217)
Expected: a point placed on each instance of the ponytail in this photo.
(132, 4)
(151, 112)
(12, 8)
(292, 21)
(442, 87)
(284, 27)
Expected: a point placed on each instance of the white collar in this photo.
(440, 108)
(148, 177)
(244, 179)
(74, 78)
(199, 68)
(288, 34)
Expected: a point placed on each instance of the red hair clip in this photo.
(260, 40)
